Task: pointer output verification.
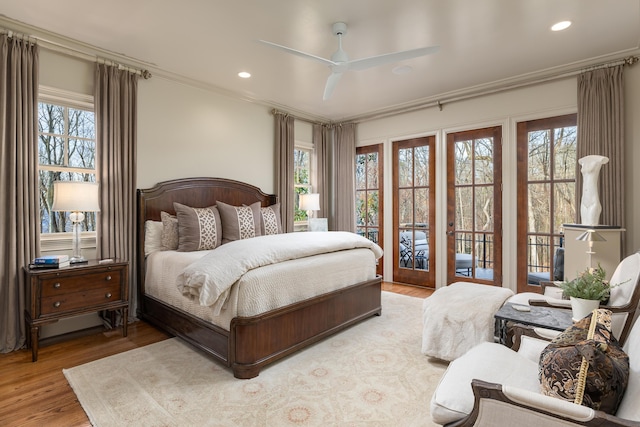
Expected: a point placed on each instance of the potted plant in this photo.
(586, 291)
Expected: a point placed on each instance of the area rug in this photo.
(371, 374)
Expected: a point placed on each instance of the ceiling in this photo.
(483, 43)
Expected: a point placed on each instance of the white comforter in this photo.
(210, 278)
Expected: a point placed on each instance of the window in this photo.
(66, 152)
(302, 180)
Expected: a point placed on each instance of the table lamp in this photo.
(591, 236)
(310, 202)
(76, 197)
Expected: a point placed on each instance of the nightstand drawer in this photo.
(56, 286)
(77, 300)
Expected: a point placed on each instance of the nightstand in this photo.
(55, 294)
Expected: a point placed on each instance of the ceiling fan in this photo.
(339, 62)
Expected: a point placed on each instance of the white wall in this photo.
(184, 131)
(505, 109)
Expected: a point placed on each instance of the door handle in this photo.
(450, 233)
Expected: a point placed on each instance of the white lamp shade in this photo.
(310, 202)
(74, 196)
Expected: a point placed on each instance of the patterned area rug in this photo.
(371, 374)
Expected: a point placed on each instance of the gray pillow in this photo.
(169, 237)
(198, 228)
(240, 222)
(271, 222)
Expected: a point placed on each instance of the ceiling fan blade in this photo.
(299, 53)
(331, 84)
(372, 61)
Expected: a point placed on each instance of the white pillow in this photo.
(152, 237)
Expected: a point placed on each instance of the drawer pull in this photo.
(108, 295)
(108, 278)
(57, 285)
(57, 304)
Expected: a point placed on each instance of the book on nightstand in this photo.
(50, 261)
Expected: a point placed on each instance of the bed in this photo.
(245, 343)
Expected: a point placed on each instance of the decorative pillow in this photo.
(152, 237)
(198, 228)
(271, 222)
(169, 231)
(586, 365)
(239, 222)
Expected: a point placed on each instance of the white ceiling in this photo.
(482, 43)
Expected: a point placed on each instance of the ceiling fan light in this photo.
(562, 25)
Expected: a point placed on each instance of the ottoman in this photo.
(458, 317)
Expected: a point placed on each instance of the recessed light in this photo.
(401, 69)
(562, 25)
(244, 74)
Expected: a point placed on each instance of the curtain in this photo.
(116, 117)
(345, 154)
(601, 132)
(285, 143)
(321, 134)
(20, 229)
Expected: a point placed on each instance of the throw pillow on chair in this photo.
(586, 365)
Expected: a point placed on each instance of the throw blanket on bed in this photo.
(210, 278)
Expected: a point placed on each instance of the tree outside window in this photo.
(66, 152)
(302, 179)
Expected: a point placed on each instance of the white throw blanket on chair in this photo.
(458, 317)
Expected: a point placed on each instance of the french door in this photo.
(546, 197)
(414, 248)
(370, 195)
(474, 206)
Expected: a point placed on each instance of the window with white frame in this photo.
(66, 152)
(302, 178)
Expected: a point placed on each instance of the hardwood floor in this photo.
(37, 394)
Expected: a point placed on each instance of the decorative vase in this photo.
(582, 307)
(590, 207)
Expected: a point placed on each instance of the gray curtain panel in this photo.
(285, 142)
(321, 135)
(20, 229)
(116, 121)
(601, 132)
(345, 154)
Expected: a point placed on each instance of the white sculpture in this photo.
(590, 207)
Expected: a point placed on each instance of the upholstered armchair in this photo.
(492, 385)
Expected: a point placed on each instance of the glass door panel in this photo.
(546, 197)
(474, 222)
(369, 195)
(414, 173)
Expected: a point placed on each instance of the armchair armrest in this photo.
(495, 405)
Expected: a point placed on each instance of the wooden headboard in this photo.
(194, 192)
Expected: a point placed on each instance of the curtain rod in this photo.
(302, 119)
(76, 53)
(145, 74)
(330, 124)
(441, 102)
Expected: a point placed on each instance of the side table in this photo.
(55, 294)
(542, 317)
